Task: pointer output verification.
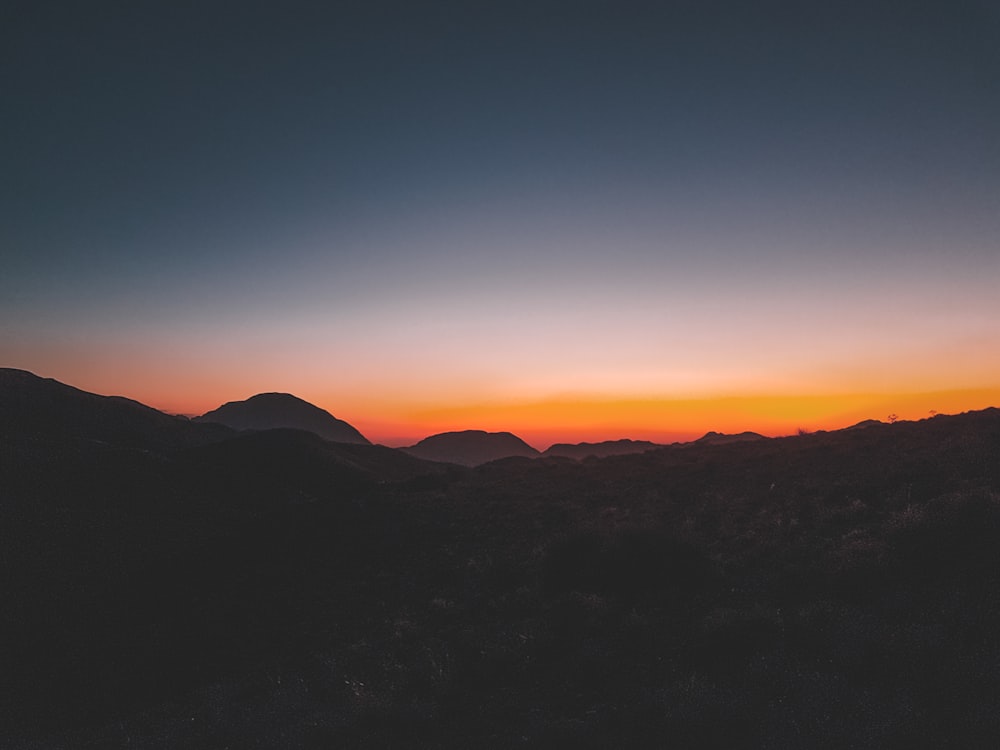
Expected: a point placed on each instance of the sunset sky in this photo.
(574, 221)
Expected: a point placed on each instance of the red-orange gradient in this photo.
(402, 418)
(667, 420)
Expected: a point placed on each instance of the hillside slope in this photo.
(34, 408)
(267, 411)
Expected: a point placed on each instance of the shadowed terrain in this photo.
(269, 589)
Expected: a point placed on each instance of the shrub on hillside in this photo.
(627, 564)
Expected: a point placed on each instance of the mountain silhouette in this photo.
(267, 411)
(471, 447)
(356, 596)
(580, 451)
(865, 423)
(720, 438)
(35, 409)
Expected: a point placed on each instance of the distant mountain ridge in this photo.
(471, 447)
(864, 424)
(720, 438)
(580, 451)
(267, 411)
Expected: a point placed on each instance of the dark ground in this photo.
(273, 590)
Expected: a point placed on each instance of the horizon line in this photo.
(597, 418)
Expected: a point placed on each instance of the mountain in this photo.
(34, 409)
(276, 589)
(266, 411)
(719, 438)
(864, 424)
(580, 451)
(471, 447)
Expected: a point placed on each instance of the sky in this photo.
(574, 221)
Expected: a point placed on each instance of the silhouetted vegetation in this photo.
(825, 590)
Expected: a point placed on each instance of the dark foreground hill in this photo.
(267, 411)
(38, 411)
(471, 447)
(276, 590)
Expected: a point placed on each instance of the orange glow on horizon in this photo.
(405, 418)
(666, 420)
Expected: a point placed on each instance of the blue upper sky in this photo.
(179, 173)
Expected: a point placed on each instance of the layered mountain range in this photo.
(42, 404)
(169, 582)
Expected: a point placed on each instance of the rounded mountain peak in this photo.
(471, 447)
(266, 411)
